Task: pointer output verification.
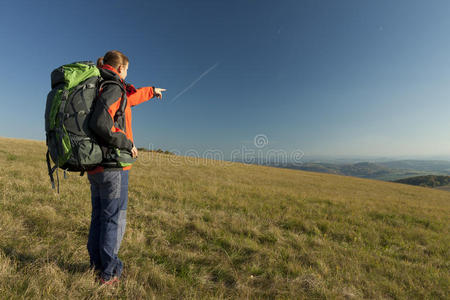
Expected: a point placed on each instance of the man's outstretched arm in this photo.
(137, 96)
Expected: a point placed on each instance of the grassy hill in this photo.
(203, 229)
(427, 181)
(388, 171)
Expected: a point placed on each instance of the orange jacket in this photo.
(111, 130)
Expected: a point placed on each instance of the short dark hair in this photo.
(113, 58)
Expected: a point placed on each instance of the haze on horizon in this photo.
(329, 78)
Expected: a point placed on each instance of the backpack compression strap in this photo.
(51, 171)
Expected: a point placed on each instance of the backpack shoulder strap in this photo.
(124, 93)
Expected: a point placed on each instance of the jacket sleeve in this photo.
(102, 119)
(137, 96)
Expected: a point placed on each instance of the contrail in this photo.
(194, 82)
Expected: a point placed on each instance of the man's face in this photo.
(123, 71)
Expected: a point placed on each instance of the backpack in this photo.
(71, 144)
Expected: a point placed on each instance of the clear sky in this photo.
(327, 77)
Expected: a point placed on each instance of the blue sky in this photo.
(326, 77)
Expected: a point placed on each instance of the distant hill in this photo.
(362, 169)
(436, 166)
(159, 150)
(428, 181)
(388, 171)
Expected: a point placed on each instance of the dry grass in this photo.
(203, 229)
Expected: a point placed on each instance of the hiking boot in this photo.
(111, 281)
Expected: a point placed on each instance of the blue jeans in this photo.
(109, 195)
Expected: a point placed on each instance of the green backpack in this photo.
(71, 144)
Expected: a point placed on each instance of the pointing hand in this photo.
(158, 92)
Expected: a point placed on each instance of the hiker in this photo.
(109, 182)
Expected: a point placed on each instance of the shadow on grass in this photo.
(24, 260)
(74, 268)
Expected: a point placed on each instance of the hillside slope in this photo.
(379, 171)
(426, 181)
(205, 229)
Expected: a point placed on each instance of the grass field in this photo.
(202, 229)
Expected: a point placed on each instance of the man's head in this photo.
(117, 60)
